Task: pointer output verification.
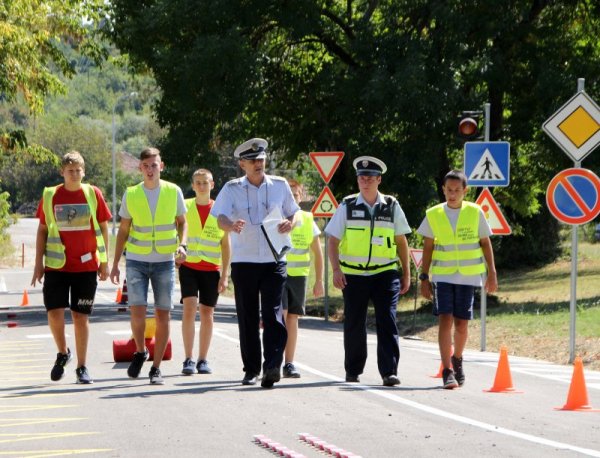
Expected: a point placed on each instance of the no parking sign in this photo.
(573, 196)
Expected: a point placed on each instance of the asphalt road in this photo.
(214, 415)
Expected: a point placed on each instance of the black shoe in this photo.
(270, 376)
(136, 364)
(290, 371)
(449, 380)
(83, 376)
(459, 374)
(352, 378)
(155, 376)
(249, 379)
(391, 380)
(202, 367)
(62, 359)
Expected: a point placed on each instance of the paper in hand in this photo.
(279, 243)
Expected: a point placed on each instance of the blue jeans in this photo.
(162, 276)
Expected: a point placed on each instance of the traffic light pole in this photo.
(486, 109)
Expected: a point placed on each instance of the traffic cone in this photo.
(440, 371)
(578, 396)
(503, 382)
(119, 296)
(25, 299)
(124, 296)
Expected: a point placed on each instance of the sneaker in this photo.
(391, 380)
(83, 376)
(58, 370)
(289, 371)
(352, 378)
(449, 380)
(156, 376)
(188, 367)
(270, 376)
(202, 367)
(135, 367)
(459, 374)
(249, 379)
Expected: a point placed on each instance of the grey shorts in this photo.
(294, 295)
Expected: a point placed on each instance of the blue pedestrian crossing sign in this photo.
(487, 163)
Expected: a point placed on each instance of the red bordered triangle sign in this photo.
(417, 256)
(326, 163)
(325, 205)
(492, 213)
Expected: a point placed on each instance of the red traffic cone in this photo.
(578, 396)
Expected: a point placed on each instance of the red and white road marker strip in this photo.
(276, 447)
(325, 446)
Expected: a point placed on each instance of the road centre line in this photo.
(441, 413)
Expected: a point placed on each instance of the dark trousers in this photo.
(383, 289)
(260, 287)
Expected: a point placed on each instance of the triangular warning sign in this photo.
(417, 256)
(325, 205)
(326, 163)
(486, 168)
(492, 213)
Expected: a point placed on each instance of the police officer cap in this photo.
(255, 148)
(369, 165)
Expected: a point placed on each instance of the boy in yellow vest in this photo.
(204, 274)
(154, 227)
(72, 236)
(305, 239)
(456, 251)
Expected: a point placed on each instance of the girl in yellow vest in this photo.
(456, 251)
(70, 252)
(305, 239)
(205, 272)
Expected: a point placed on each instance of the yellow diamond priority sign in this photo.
(575, 127)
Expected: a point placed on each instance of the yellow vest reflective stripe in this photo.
(298, 258)
(55, 250)
(204, 243)
(368, 243)
(145, 232)
(460, 250)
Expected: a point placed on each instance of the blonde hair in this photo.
(72, 158)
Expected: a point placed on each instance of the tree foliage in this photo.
(385, 77)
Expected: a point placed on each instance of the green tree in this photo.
(367, 77)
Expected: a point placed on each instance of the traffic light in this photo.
(468, 125)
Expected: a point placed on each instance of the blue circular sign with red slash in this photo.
(573, 196)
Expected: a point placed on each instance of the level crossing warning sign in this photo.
(573, 196)
(487, 163)
(327, 163)
(325, 205)
(492, 213)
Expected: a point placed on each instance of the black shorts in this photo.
(294, 295)
(81, 285)
(201, 284)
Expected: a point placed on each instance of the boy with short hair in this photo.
(458, 249)
(204, 274)
(73, 237)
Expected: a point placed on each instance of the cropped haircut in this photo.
(149, 152)
(72, 158)
(456, 175)
(202, 172)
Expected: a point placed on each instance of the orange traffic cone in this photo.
(578, 397)
(503, 382)
(119, 296)
(124, 296)
(439, 374)
(25, 299)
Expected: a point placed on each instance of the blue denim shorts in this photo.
(452, 299)
(160, 274)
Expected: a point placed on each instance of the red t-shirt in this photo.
(72, 214)
(203, 211)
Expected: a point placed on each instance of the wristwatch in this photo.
(184, 246)
(424, 277)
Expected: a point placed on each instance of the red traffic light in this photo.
(468, 128)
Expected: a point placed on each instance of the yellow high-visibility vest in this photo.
(145, 232)
(204, 243)
(298, 258)
(368, 243)
(55, 250)
(460, 250)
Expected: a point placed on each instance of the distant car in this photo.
(597, 233)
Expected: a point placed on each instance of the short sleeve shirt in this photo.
(484, 231)
(152, 196)
(240, 199)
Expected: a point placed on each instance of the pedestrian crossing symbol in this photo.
(487, 163)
